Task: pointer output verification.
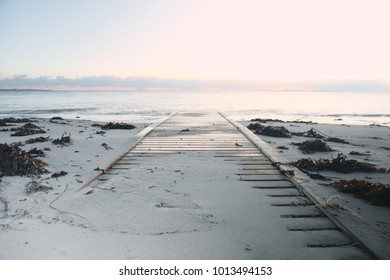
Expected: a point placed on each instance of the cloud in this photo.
(350, 85)
(23, 81)
(147, 83)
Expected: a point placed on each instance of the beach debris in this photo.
(266, 120)
(106, 146)
(59, 174)
(15, 161)
(64, 140)
(16, 144)
(115, 125)
(185, 130)
(303, 122)
(282, 147)
(312, 133)
(340, 164)
(34, 186)
(383, 170)
(355, 153)
(237, 145)
(336, 140)
(376, 125)
(57, 119)
(36, 153)
(27, 129)
(312, 146)
(310, 164)
(375, 193)
(37, 140)
(5, 202)
(100, 132)
(255, 126)
(3, 123)
(274, 131)
(21, 120)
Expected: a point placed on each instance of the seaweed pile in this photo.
(260, 120)
(14, 120)
(115, 125)
(36, 153)
(355, 153)
(340, 164)
(15, 161)
(312, 133)
(375, 193)
(274, 131)
(266, 120)
(27, 129)
(59, 174)
(34, 186)
(37, 140)
(255, 126)
(56, 119)
(64, 140)
(312, 146)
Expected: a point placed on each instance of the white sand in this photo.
(29, 220)
(118, 222)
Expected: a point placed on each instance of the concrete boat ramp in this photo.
(198, 186)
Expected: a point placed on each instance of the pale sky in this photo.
(300, 40)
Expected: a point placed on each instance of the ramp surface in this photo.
(196, 188)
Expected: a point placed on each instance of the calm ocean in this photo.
(146, 106)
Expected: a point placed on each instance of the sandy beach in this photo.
(57, 220)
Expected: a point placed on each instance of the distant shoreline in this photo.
(23, 89)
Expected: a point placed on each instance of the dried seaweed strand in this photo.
(104, 189)
(64, 212)
(5, 206)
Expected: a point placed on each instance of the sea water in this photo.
(146, 106)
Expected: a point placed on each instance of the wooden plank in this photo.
(278, 177)
(259, 172)
(189, 148)
(252, 162)
(258, 167)
(273, 184)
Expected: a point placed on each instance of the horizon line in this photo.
(178, 90)
(113, 83)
